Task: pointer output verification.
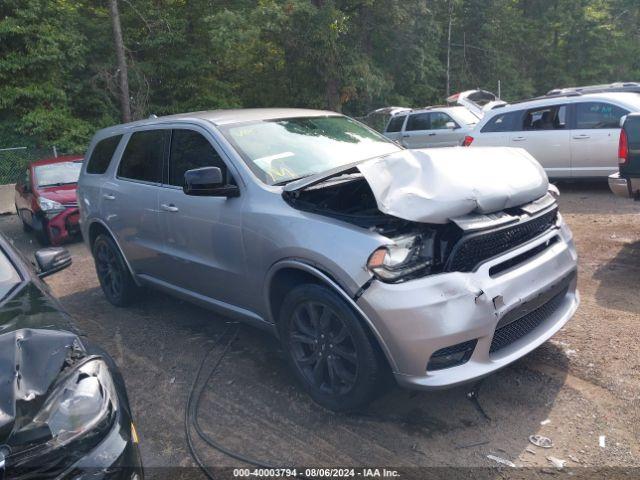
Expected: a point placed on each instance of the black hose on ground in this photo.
(191, 411)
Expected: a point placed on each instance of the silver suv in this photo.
(439, 266)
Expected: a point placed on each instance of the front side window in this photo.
(54, 174)
(101, 156)
(503, 122)
(418, 121)
(439, 121)
(395, 124)
(143, 157)
(553, 117)
(591, 115)
(189, 150)
(279, 151)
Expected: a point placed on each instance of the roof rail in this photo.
(544, 97)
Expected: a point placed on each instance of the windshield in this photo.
(279, 151)
(9, 277)
(62, 173)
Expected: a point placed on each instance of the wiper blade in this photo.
(284, 182)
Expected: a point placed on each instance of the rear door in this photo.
(202, 235)
(544, 133)
(129, 202)
(594, 138)
(417, 130)
(393, 130)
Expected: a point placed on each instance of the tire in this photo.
(328, 349)
(25, 225)
(113, 274)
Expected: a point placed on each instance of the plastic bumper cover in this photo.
(419, 317)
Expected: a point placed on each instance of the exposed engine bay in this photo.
(420, 248)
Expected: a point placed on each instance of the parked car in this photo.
(431, 127)
(626, 182)
(64, 411)
(45, 199)
(438, 265)
(477, 102)
(572, 136)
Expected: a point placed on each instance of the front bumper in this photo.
(624, 187)
(419, 317)
(63, 226)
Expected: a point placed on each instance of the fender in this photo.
(328, 281)
(115, 240)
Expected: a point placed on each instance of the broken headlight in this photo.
(408, 257)
(85, 401)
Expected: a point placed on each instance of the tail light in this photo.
(467, 141)
(623, 148)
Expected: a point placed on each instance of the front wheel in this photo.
(328, 348)
(114, 276)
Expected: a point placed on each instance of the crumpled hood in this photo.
(37, 341)
(436, 185)
(30, 362)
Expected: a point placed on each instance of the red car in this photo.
(46, 198)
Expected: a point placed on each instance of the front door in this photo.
(594, 139)
(202, 235)
(445, 131)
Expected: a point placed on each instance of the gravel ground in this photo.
(581, 385)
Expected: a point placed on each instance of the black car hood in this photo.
(37, 342)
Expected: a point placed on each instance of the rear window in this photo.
(632, 128)
(101, 155)
(504, 122)
(143, 157)
(395, 124)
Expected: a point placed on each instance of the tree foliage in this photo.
(58, 79)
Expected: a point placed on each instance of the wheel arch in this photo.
(287, 273)
(96, 227)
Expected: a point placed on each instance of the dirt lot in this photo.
(579, 386)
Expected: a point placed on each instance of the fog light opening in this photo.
(452, 356)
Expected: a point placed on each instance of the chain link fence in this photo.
(14, 160)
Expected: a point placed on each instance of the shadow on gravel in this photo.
(620, 280)
(253, 406)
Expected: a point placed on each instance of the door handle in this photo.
(432, 134)
(169, 208)
(108, 196)
(518, 139)
(581, 137)
(405, 136)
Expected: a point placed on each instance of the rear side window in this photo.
(143, 157)
(395, 124)
(419, 121)
(591, 115)
(504, 122)
(189, 149)
(101, 155)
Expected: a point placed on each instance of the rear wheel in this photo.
(114, 276)
(328, 348)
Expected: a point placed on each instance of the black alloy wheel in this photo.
(116, 281)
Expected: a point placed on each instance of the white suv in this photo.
(571, 135)
(431, 127)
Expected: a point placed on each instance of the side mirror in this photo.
(208, 182)
(51, 260)
(450, 125)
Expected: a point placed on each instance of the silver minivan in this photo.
(572, 136)
(435, 266)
